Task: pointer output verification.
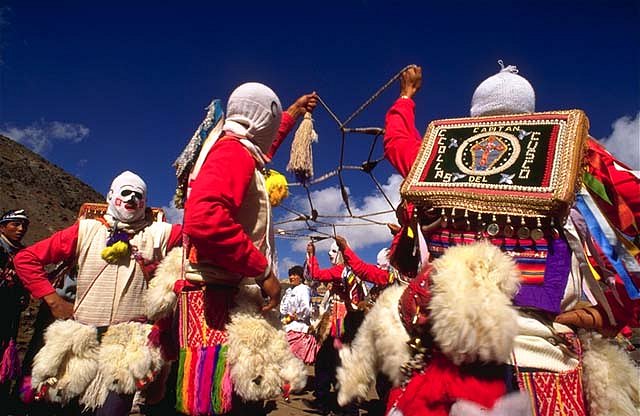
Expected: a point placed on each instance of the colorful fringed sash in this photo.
(204, 384)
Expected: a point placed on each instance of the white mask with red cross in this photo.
(127, 198)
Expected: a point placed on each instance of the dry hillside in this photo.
(50, 195)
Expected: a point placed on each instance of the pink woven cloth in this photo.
(303, 346)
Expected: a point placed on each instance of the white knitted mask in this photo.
(254, 112)
(383, 259)
(335, 255)
(127, 197)
(503, 93)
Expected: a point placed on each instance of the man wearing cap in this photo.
(13, 227)
(115, 255)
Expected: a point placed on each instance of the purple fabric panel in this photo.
(548, 295)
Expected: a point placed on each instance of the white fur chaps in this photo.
(380, 345)
(260, 360)
(73, 363)
(470, 310)
(611, 380)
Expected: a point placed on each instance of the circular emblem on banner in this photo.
(488, 153)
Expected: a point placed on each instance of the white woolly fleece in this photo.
(503, 93)
(259, 356)
(512, 404)
(473, 318)
(125, 357)
(380, 345)
(160, 299)
(70, 356)
(611, 380)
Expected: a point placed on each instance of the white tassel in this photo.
(301, 159)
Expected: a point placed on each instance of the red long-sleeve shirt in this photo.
(332, 274)
(61, 246)
(401, 139)
(365, 271)
(210, 218)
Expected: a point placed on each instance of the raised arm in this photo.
(365, 271)
(331, 274)
(402, 139)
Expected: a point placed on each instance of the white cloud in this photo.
(174, 215)
(624, 141)
(68, 131)
(328, 202)
(41, 135)
(284, 265)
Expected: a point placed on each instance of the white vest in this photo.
(113, 293)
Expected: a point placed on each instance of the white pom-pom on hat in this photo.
(503, 93)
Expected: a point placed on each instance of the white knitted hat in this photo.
(503, 93)
(254, 111)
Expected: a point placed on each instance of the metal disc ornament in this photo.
(524, 233)
(537, 234)
(493, 229)
(508, 231)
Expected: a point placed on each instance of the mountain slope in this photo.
(50, 195)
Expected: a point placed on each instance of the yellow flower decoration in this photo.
(277, 187)
(115, 252)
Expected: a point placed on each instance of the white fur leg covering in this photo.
(611, 380)
(160, 299)
(379, 345)
(68, 360)
(260, 360)
(473, 318)
(126, 362)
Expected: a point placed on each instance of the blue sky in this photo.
(98, 89)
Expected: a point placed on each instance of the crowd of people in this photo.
(447, 322)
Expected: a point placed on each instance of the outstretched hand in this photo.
(410, 81)
(393, 228)
(341, 242)
(305, 104)
(271, 290)
(311, 249)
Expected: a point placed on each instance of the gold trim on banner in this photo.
(554, 200)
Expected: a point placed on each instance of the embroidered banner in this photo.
(526, 164)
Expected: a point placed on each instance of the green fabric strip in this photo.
(179, 404)
(596, 187)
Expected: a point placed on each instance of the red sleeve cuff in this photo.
(42, 288)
